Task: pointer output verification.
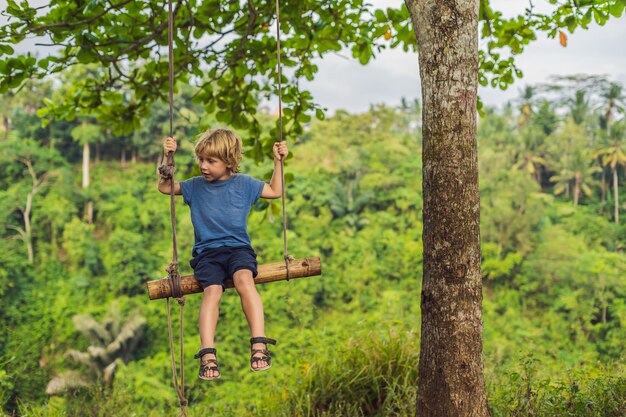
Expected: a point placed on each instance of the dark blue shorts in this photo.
(214, 266)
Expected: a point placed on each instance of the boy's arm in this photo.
(164, 186)
(275, 188)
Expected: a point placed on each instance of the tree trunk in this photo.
(89, 204)
(536, 175)
(7, 126)
(576, 189)
(616, 194)
(451, 381)
(28, 234)
(602, 296)
(604, 185)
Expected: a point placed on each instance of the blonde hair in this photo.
(220, 143)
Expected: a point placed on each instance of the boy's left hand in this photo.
(280, 150)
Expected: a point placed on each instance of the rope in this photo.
(167, 172)
(288, 258)
(180, 389)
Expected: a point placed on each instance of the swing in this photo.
(298, 268)
(177, 286)
(291, 268)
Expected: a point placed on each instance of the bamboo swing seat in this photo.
(298, 268)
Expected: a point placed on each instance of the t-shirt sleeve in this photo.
(186, 187)
(253, 189)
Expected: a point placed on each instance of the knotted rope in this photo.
(166, 171)
(288, 258)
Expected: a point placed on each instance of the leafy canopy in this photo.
(227, 50)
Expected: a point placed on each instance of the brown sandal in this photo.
(265, 354)
(207, 365)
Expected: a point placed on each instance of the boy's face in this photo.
(213, 168)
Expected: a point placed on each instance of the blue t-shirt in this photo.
(219, 210)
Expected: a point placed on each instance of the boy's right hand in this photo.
(169, 145)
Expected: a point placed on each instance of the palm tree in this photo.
(579, 107)
(526, 110)
(111, 344)
(613, 155)
(85, 134)
(545, 117)
(615, 100)
(577, 171)
(529, 154)
(347, 201)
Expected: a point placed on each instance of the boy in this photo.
(220, 201)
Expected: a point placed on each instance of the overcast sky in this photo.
(344, 83)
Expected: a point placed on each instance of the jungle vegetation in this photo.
(80, 337)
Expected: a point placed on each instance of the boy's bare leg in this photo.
(252, 307)
(207, 321)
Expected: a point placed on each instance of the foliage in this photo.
(590, 392)
(552, 272)
(228, 52)
(111, 344)
(370, 376)
(552, 269)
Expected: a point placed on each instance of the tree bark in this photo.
(616, 193)
(26, 213)
(451, 381)
(89, 204)
(604, 184)
(7, 126)
(577, 181)
(28, 234)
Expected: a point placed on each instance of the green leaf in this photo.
(599, 17)
(303, 118)
(93, 5)
(586, 19)
(90, 36)
(380, 16)
(6, 50)
(15, 79)
(86, 56)
(616, 9)
(43, 112)
(571, 23)
(43, 63)
(222, 116)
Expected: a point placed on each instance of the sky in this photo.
(343, 83)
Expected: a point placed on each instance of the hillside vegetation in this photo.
(79, 336)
